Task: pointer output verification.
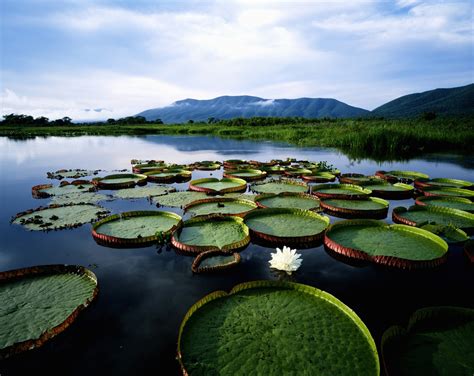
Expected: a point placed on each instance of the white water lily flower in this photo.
(286, 259)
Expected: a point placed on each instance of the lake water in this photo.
(144, 293)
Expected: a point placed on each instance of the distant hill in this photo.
(228, 107)
(454, 101)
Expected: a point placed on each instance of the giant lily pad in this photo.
(358, 179)
(273, 170)
(216, 186)
(370, 208)
(153, 166)
(443, 182)
(449, 233)
(214, 260)
(397, 191)
(319, 177)
(79, 198)
(449, 192)
(207, 165)
(168, 175)
(419, 215)
(118, 181)
(288, 200)
(57, 217)
(275, 328)
(296, 172)
(220, 205)
(143, 192)
(401, 176)
(246, 174)
(179, 199)
(135, 228)
(447, 202)
(41, 302)
(284, 226)
(48, 190)
(279, 186)
(342, 191)
(212, 232)
(234, 164)
(399, 246)
(437, 341)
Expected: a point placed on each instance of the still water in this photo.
(144, 293)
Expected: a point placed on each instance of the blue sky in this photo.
(93, 59)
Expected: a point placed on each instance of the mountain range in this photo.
(453, 101)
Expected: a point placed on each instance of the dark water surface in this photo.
(144, 293)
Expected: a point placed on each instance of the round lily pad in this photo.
(443, 182)
(358, 179)
(371, 207)
(179, 199)
(40, 302)
(279, 186)
(288, 200)
(319, 177)
(285, 226)
(397, 191)
(342, 191)
(246, 174)
(449, 192)
(216, 186)
(79, 198)
(398, 246)
(70, 174)
(214, 260)
(146, 167)
(447, 202)
(207, 165)
(57, 217)
(419, 215)
(135, 228)
(220, 205)
(168, 175)
(449, 233)
(48, 190)
(273, 170)
(296, 172)
(143, 192)
(118, 181)
(437, 341)
(211, 232)
(234, 164)
(275, 328)
(401, 176)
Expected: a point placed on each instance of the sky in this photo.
(99, 59)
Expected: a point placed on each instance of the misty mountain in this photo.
(228, 107)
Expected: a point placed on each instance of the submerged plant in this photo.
(286, 259)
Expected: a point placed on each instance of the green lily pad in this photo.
(143, 192)
(288, 200)
(419, 215)
(437, 341)
(295, 172)
(275, 328)
(246, 174)
(279, 187)
(286, 226)
(179, 199)
(319, 177)
(273, 169)
(168, 175)
(449, 192)
(359, 179)
(146, 167)
(213, 232)
(211, 261)
(135, 228)
(56, 217)
(443, 182)
(450, 234)
(48, 190)
(372, 207)
(447, 202)
(79, 198)
(220, 205)
(214, 185)
(208, 165)
(403, 176)
(395, 245)
(118, 181)
(348, 191)
(40, 302)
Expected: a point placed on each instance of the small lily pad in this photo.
(401, 176)
(212, 261)
(118, 181)
(279, 186)
(171, 175)
(216, 186)
(71, 174)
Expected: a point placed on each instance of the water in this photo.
(144, 293)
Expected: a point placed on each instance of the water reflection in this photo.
(132, 328)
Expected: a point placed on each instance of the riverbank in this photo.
(374, 138)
